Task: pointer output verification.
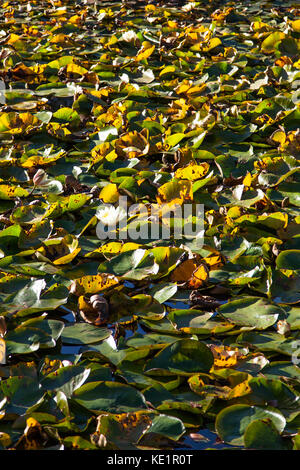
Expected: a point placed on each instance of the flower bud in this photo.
(39, 178)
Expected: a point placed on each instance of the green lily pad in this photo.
(282, 369)
(262, 434)
(84, 333)
(184, 357)
(251, 311)
(109, 397)
(273, 391)
(66, 379)
(289, 259)
(232, 422)
(24, 340)
(166, 426)
(20, 393)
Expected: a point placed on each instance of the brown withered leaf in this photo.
(94, 310)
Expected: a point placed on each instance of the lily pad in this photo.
(112, 397)
(184, 357)
(84, 333)
(232, 422)
(262, 434)
(251, 311)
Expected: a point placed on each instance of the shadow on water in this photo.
(202, 440)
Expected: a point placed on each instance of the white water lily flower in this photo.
(111, 342)
(147, 76)
(110, 215)
(129, 36)
(136, 86)
(101, 15)
(124, 77)
(188, 6)
(118, 61)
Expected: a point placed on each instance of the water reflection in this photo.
(202, 440)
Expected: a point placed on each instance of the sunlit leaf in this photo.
(93, 284)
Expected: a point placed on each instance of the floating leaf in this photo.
(83, 333)
(110, 397)
(192, 172)
(14, 123)
(262, 434)
(251, 311)
(289, 259)
(66, 379)
(186, 305)
(184, 357)
(94, 284)
(9, 192)
(109, 193)
(233, 421)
